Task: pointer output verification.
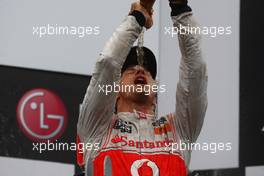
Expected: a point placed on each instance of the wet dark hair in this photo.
(149, 59)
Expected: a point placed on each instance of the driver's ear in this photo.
(116, 103)
(117, 97)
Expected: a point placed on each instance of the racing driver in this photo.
(132, 140)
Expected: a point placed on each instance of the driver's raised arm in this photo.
(97, 107)
(191, 95)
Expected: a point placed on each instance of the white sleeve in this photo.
(191, 95)
(97, 107)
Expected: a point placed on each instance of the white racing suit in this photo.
(133, 144)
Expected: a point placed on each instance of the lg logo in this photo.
(41, 115)
(138, 163)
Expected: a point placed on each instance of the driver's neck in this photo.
(130, 106)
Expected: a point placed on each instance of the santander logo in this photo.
(41, 115)
(124, 141)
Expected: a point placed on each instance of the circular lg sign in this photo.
(41, 115)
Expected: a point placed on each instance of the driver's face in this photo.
(136, 75)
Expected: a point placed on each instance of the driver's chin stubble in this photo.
(141, 97)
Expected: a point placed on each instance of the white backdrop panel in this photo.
(24, 167)
(19, 47)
